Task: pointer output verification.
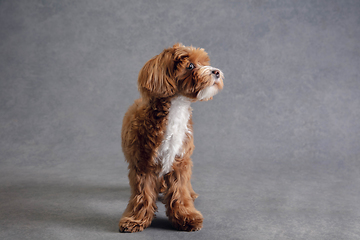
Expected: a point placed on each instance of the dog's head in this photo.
(180, 70)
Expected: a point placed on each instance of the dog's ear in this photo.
(180, 51)
(156, 78)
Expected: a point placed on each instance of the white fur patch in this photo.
(179, 114)
(207, 93)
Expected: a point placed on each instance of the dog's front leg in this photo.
(142, 205)
(179, 196)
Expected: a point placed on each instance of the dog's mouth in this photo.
(216, 81)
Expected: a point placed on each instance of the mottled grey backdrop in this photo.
(277, 151)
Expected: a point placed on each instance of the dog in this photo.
(157, 136)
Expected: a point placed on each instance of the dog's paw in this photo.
(130, 226)
(188, 222)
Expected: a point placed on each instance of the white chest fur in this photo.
(178, 117)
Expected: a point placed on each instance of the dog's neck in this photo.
(177, 126)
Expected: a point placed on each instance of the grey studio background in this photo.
(277, 151)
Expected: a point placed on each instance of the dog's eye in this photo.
(191, 66)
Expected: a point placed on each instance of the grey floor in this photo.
(277, 151)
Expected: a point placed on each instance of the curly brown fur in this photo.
(157, 138)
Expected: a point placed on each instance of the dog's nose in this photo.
(216, 72)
